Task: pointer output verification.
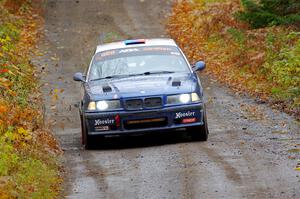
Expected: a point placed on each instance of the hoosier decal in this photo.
(104, 122)
(184, 114)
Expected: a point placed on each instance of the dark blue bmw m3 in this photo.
(140, 86)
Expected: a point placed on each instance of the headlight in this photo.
(104, 105)
(92, 106)
(195, 97)
(183, 98)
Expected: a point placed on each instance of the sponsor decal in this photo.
(157, 49)
(175, 53)
(128, 50)
(108, 53)
(179, 115)
(102, 128)
(136, 51)
(99, 57)
(107, 121)
(188, 120)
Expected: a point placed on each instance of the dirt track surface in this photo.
(248, 154)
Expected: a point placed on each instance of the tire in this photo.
(88, 142)
(200, 133)
(85, 138)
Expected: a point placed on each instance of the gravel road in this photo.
(251, 152)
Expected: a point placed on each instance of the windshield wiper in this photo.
(157, 72)
(122, 76)
(152, 72)
(109, 77)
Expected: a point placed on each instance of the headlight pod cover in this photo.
(104, 105)
(183, 98)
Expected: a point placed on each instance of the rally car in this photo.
(141, 86)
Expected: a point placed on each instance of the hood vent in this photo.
(106, 89)
(176, 83)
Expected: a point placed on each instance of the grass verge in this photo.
(28, 152)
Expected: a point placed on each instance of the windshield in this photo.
(137, 61)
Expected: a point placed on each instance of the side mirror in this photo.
(78, 77)
(198, 66)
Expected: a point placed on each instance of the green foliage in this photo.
(8, 159)
(15, 61)
(237, 35)
(30, 177)
(270, 12)
(35, 179)
(283, 68)
(28, 166)
(9, 34)
(9, 30)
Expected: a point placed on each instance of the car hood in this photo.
(145, 85)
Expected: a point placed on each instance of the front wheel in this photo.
(200, 133)
(86, 139)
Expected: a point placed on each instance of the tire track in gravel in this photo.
(265, 171)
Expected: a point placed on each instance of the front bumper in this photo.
(136, 122)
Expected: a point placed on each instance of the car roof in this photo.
(145, 42)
